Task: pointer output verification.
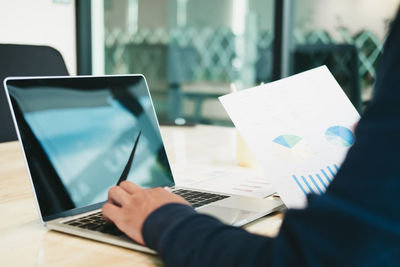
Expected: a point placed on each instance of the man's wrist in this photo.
(161, 221)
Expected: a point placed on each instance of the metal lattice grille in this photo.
(368, 45)
(209, 53)
(191, 55)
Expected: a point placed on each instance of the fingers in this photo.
(111, 212)
(168, 189)
(118, 196)
(130, 187)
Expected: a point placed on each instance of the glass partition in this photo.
(190, 51)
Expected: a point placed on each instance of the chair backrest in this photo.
(24, 60)
(341, 59)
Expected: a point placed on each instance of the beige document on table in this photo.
(233, 180)
(299, 130)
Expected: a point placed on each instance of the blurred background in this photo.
(190, 51)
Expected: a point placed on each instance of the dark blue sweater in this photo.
(355, 223)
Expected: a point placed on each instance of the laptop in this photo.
(81, 135)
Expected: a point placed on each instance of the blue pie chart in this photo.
(289, 148)
(340, 135)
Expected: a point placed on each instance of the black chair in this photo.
(341, 59)
(24, 60)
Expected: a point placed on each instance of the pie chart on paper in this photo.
(340, 136)
(291, 148)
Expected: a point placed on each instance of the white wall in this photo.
(40, 22)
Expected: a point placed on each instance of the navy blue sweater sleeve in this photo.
(185, 238)
(355, 223)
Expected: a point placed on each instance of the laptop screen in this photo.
(78, 134)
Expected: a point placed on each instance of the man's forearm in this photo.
(186, 238)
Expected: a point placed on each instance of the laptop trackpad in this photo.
(227, 215)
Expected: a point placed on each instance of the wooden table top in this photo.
(24, 241)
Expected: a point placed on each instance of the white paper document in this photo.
(299, 130)
(233, 181)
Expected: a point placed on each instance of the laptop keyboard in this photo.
(198, 199)
(96, 221)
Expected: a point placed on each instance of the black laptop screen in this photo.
(78, 134)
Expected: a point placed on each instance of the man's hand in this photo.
(129, 205)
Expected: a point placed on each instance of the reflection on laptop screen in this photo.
(78, 134)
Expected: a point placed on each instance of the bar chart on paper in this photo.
(298, 133)
(317, 182)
